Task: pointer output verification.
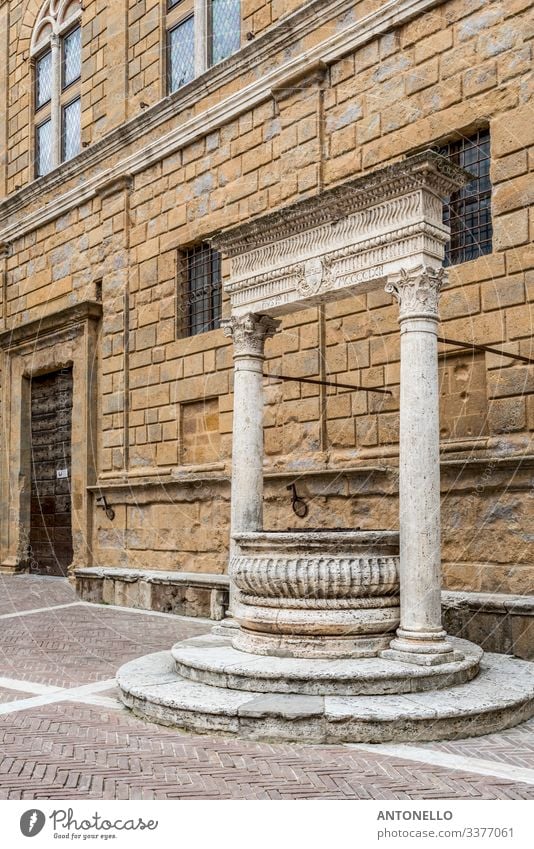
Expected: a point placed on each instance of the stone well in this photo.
(337, 636)
(316, 594)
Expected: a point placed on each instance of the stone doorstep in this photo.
(501, 696)
(195, 594)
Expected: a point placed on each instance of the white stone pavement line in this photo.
(85, 693)
(44, 689)
(28, 686)
(449, 761)
(41, 609)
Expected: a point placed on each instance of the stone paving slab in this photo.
(69, 750)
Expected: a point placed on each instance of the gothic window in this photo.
(200, 296)
(56, 52)
(200, 33)
(468, 211)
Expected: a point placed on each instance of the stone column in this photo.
(420, 638)
(249, 333)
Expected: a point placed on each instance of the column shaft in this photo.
(420, 638)
(247, 445)
(249, 334)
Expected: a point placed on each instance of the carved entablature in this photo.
(345, 239)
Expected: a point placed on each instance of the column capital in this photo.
(249, 333)
(417, 290)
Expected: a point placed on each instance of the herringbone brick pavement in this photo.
(66, 750)
(76, 645)
(515, 746)
(27, 592)
(11, 695)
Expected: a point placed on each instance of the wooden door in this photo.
(51, 427)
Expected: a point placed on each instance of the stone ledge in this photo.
(498, 622)
(185, 593)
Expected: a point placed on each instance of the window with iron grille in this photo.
(56, 50)
(200, 33)
(199, 290)
(468, 211)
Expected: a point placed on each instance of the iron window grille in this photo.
(468, 211)
(200, 294)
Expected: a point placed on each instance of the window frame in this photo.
(64, 107)
(44, 52)
(38, 125)
(169, 31)
(176, 13)
(457, 249)
(54, 24)
(64, 37)
(191, 321)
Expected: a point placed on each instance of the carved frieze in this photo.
(346, 239)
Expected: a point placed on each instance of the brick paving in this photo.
(77, 749)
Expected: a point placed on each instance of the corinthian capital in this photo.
(249, 333)
(417, 291)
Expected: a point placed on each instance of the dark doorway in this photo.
(51, 425)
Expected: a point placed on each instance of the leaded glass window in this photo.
(200, 285)
(56, 50)
(200, 33)
(182, 54)
(468, 211)
(44, 148)
(224, 28)
(43, 79)
(70, 137)
(72, 57)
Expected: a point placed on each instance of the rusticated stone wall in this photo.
(164, 404)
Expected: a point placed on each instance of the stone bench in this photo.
(183, 593)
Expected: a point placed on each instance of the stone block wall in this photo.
(138, 195)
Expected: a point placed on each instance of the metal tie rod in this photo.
(328, 383)
(473, 347)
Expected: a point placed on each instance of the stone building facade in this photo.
(134, 131)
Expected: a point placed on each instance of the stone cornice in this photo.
(39, 327)
(282, 35)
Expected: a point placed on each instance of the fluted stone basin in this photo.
(317, 593)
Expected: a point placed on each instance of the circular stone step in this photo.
(211, 659)
(502, 695)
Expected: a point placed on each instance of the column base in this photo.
(422, 648)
